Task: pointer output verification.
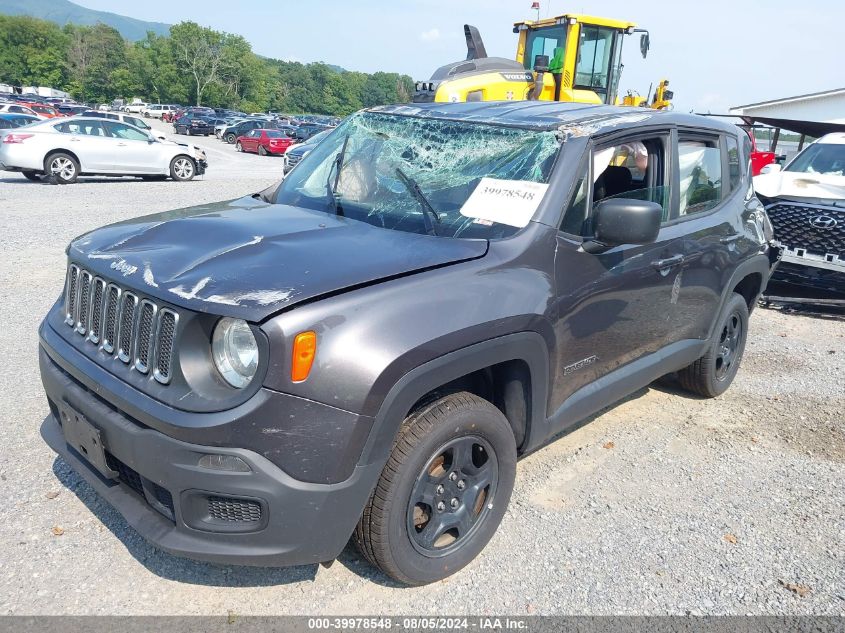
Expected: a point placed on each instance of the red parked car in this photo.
(264, 142)
(43, 110)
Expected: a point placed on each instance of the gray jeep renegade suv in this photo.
(366, 349)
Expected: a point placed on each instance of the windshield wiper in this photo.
(428, 210)
(331, 188)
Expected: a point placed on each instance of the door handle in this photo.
(728, 239)
(121, 144)
(669, 262)
(74, 139)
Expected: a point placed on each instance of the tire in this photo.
(239, 147)
(466, 501)
(63, 166)
(262, 151)
(32, 175)
(713, 373)
(231, 138)
(183, 168)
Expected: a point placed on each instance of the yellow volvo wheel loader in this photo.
(570, 57)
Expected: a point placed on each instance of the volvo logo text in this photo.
(823, 222)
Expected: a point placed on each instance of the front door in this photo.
(621, 304)
(133, 151)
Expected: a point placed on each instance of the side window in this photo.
(16, 109)
(91, 128)
(734, 162)
(119, 130)
(62, 127)
(634, 168)
(700, 175)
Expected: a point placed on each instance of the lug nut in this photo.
(454, 503)
(441, 506)
(440, 489)
(461, 484)
(453, 476)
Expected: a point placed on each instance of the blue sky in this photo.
(717, 53)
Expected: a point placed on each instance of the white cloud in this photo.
(430, 35)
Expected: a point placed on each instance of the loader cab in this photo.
(585, 56)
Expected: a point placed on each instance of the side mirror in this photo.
(771, 168)
(644, 44)
(541, 63)
(624, 221)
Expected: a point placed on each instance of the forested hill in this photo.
(64, 12)
(190, 64)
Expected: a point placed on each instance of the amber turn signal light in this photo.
(304, 349)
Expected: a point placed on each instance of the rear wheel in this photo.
(63, 167)
(31, 175)
(231, 138)
(713, 373)
(182, 168)
(239, 147)
(262, 151)
(443, 491)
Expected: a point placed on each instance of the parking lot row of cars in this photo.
(106, 140)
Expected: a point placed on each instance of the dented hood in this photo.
(796, 184)
(249, 259)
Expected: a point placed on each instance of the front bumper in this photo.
(261, 517)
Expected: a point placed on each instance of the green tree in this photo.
(32, 52)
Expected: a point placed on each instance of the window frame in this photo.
(618, 137)
(700, 135)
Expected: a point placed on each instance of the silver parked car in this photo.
(79, 146)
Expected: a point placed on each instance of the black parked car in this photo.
(304, 132)
(231, 133)
(193, 125)
(366, 349)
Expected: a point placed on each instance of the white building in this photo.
(822, 107)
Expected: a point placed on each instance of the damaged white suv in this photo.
(805, 202)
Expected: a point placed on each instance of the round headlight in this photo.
(235, 351)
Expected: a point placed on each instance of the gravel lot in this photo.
(662, 504)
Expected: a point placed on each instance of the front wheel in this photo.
(231, 139)
(713, 373)
(443, 491)
(63, 167)
(182, 168)
(239, 147)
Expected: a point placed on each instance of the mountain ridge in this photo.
(65, 12)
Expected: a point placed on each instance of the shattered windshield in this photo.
(425, 175)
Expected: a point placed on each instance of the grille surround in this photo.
(134, 330)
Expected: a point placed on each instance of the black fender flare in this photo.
(529, 347)
(756, 264)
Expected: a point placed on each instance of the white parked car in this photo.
(119, 116)
(157, 110)
(81, 146)
(137, 108)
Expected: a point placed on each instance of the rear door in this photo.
(89, 141)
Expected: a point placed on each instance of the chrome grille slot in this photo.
(125, 328)
(70, 295)
(166, 334)
(120, 323)
(144, 345)
(95, 327)
(111, 313)
(83, 302)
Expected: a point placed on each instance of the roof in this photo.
(804, 97)
(549, 115)
(835, 138)
(580, 17)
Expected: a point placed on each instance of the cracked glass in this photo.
(416, 173)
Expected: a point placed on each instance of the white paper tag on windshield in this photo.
(511, 202)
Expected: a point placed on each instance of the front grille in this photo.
(293, 159)
(135, 330)
(127, 475)
(817, 230)
(234, 510)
